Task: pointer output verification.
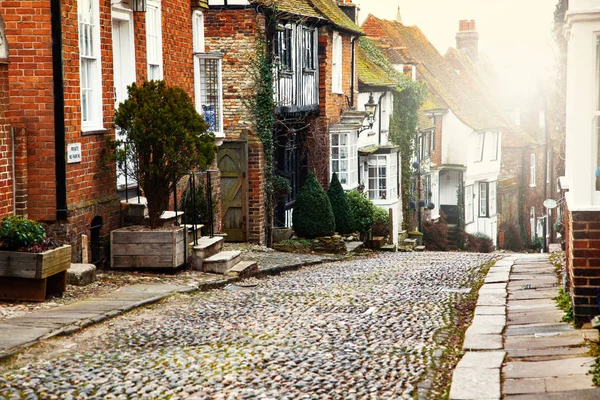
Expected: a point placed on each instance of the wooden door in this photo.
(232, 161)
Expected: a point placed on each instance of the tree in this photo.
(166, 138)
(344, 220)
(312, 216)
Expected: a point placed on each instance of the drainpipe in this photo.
(59, 113)
(353, 41)
(14, 177)
(379, 106)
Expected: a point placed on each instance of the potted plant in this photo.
(281, 187)
(31, 265)
(166, 138)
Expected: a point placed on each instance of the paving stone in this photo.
(530, 342)
(490, 310)
(588, 394)
(475, 383)
(532, 304)
(499, 270)
(498, 285)
(498, 292)
(531, 269)
(547, 353)
(14, 335)
(482, 359)
(523, 386)
(534, 317)
(532, 294)
(491, 300)
(489, 320)
(482, 342)
(484, 329)
(531, 284)
(530, 329)
(578, 382)
(545, 369)
(494, 278)
(540, 278)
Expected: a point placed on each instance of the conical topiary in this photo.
(312, 216)
(344, 220)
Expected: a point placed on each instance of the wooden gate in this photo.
(232, 161)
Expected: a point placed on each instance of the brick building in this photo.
(70, 64)
(582, 165)
(310, 44)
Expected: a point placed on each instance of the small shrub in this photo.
(281, 187)
(435, 235)
(381, 223)
(18, 232)
(363, 211)
(478, 243)
(344, 220)
(563, 301)
(537, 243)
(312, 216)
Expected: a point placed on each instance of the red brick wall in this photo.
(436, 155)
(582, 230)
(6, 180)
(235, 33)
(178, 47)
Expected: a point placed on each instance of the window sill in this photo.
(93, 131)
(532, 186)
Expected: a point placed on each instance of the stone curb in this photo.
(478, 381)
(204, 287)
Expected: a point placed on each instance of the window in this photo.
(154, 40)
(336, 75)
(487, 199)
(479, 146)
(493, 136)
(469, 204)
(532, 170)
(198, 31)
(308, 61)
(382, 181)
(209, 98)
(344, 158)
(90, 64)
(284, 47)
(492, 199)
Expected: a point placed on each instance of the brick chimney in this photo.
(467, 38)
(349, 9)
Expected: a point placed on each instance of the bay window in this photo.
(382, 182)
(90, 64)
(344, 158)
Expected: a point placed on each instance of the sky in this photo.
(515, 34)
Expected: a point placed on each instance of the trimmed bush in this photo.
(344, 220)
(478, 243)
(312, 216)
(435, 235)
(381, 223)
(363, 211)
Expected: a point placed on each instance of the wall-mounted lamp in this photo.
(370, 108)
(139, 5)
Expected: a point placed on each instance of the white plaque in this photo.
(550, 203)
(74, 153)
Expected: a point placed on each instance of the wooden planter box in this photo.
(147, 249)
(31, 276)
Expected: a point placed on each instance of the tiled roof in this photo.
(373, 67)
(330, 10)
(425, 122)
(463, 97)
(400, 55)
(295, 7)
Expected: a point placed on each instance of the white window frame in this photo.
(382, 177)
(90, 65)
(198, 31)
(344, 158)
(469, 214)
(154, 45)
(214, 118)
(484, 200)
(337, 60)
(532, 171)
(492, 190)
(479, 147)
(494, 145)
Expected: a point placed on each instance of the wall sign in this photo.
(74, 153)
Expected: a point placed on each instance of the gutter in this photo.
(14, 177)
(60, 162)
(352, 73)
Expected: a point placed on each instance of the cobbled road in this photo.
(364, 328)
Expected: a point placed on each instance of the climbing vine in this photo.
(403, 128)
(262, 105)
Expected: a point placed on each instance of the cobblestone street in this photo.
(363, 328)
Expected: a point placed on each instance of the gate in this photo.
(232, 161)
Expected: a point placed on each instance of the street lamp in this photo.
(139, 5)
(370, 108)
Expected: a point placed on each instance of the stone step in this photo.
(419, 248)
(409, 243)
(205, 248)
(221, 262)
(169, 217)
(388, 247)
(191, 228)
(354, 246)
(81, 274)
(242, 268)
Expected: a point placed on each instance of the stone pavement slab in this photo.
(14, 335)
(487, 299)
(490, 310)
(545, 353)
(544, 369)
(478, 341)
(534, 317)
(531, 329)
(483, 359)
(518, 284)
(475, 384)
(546, 385)
(529, 342)
(498, 285)
(530, 294)
(533, 269)
(496, 277)
(588, 394)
